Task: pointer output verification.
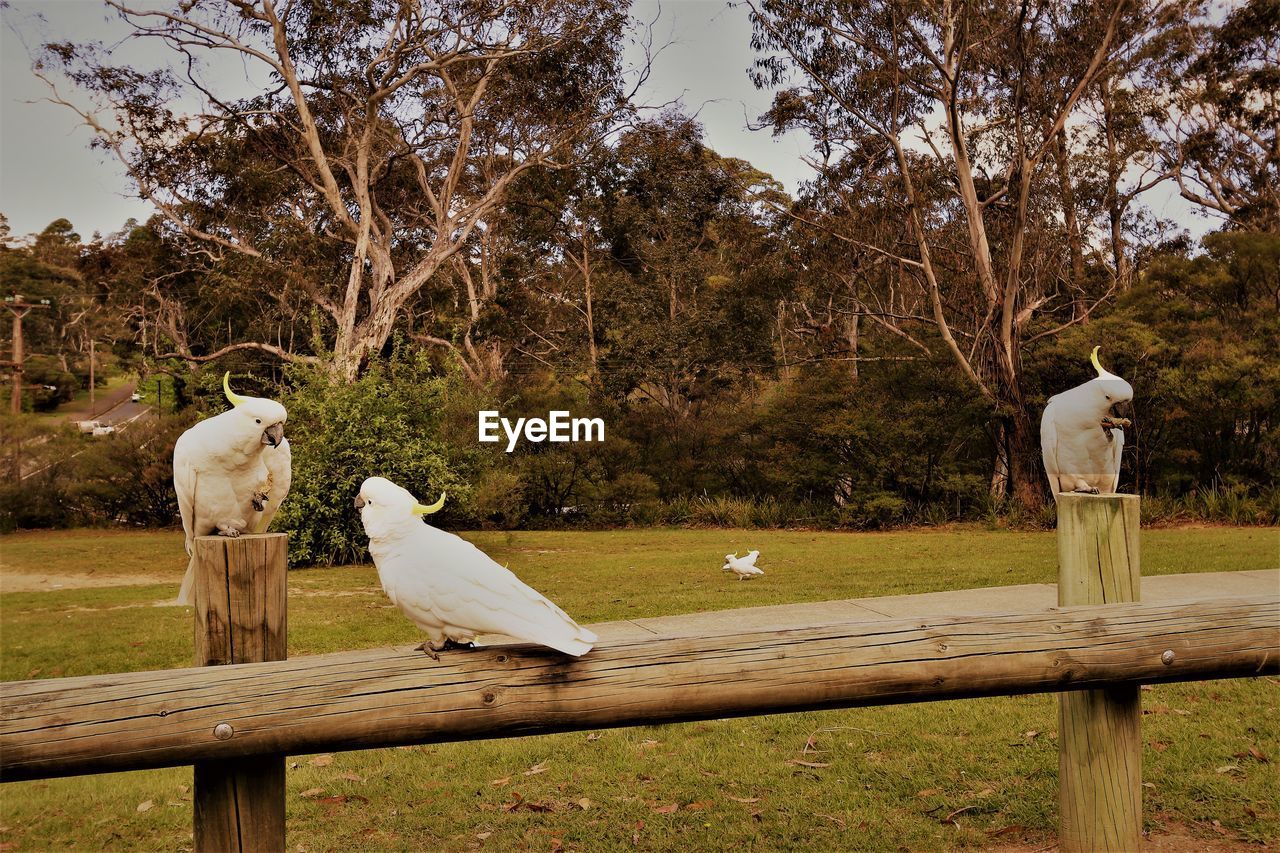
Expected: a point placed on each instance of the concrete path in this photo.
(1200, 586)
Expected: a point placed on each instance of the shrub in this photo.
(383, 424)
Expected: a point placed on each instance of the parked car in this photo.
(135, 397)
(88, 426)
(103, 430)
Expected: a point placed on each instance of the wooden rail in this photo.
(387, 697)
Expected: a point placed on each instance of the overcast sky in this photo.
(48, 171)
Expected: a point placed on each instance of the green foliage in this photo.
(386, 423)
(75, 480)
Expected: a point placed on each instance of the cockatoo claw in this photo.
(1087, 490)
(260, 501)
(426, 647)
(231, 532)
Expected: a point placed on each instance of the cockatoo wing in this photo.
(464, 589)
(1049, 448)
(750, 559)
(184, 484)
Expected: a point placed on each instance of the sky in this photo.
(47, 169)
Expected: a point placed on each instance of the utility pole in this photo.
(93, 407)
(19, 308)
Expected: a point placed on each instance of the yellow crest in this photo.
(234, 398)
(420, 509)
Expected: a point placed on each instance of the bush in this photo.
(498, 499)
(383, 424)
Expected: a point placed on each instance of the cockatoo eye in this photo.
(1108, 396)
(259, 420)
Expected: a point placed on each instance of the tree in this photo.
(1222, 144)
(385, 134)
(950, 113)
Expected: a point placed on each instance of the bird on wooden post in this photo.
(743, 567)
(1082, 435)
(450, 588)
(231, 472)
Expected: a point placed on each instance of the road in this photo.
(121, 413)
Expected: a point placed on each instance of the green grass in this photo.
(894, 773)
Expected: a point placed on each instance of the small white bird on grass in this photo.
(743, 567)
(450, 588)
(1082, 436)
(231, 472)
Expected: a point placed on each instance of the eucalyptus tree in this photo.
(952, 112)
(1223, 146)
(368, 146)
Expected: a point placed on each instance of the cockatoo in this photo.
(231, 473)
(450, 588)
(743, 567)
(1081, 435)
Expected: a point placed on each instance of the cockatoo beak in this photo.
(1124, 410)
(273, 435)
(359, 502)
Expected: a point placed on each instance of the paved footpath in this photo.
(1199, 586)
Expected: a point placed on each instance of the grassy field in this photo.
(937, 776)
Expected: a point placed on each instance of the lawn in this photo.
(933, 776)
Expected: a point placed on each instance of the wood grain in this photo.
(387, 697)
(1100, 740)
(240, 600)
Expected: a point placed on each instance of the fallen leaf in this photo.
(311, 792)
(584, 804)
(145, 806)
(321, 760)
(837, 821)
(556, 845)
(758, 816)
(339, 799)
(699, 806)
(951, 817)
(350, 777)
(1031, 734)
(1151, 785)
(667, 809)
(816, 764)
(928, 792)
(293, 765)
(985, 792)
(1257, 753)
(1006, 830)
(744, 799)
(1229, 768)
(648, 744)
(1159, 746)
(483, 835)
(594, 736)
(182, 789)
(498, 783)
(540, 767)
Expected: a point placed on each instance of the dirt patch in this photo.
(22, 582)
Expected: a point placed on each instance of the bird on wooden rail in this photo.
(450, 588)
(743, 567)
(231, 473)
(1082, 435)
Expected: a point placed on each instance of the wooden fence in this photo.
(236, 723)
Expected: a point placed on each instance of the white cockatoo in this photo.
(450, 588)
(231, 473)
(743, 567)
(1081, 435)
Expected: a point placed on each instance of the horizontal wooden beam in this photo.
(388, 697)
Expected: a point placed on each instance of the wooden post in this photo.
(1099, 742)
(240, 590)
